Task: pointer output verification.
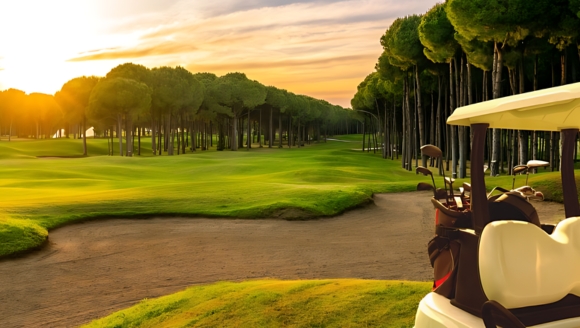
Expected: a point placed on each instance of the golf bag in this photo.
(445, 248)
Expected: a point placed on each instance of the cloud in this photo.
(130, 53)
(311, 47)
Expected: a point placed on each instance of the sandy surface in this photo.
(91, 269)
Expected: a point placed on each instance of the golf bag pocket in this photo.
(443, 255)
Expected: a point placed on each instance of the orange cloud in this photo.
(322, 49)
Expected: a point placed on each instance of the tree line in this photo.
(465, 51)
(180, 111)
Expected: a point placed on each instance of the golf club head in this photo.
(520, 169)
(467, 186)
(431, 151)
(424, 186)
(440, 194)
(526, 191)
(537, 163)
(538, 195)
(423, 170)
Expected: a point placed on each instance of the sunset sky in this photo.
(320, 48)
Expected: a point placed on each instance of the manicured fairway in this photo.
(274, 303)
(317, 180)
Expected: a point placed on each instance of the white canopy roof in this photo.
(552, 109)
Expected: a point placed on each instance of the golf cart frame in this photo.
(513, 273)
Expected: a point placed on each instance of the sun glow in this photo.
(318, 48)
(37, 39)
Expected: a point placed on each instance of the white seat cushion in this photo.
(520, 265)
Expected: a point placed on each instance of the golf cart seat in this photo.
(534, 275)
(514, 256)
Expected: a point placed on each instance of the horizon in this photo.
(323, 49)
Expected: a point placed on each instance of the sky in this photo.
(321, 48)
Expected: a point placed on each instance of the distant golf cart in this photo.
(503, 267)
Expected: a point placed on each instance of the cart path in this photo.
(91, 269)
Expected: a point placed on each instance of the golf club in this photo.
(533, 164)
(450, 182)
(426, 171)
(518, 169)
(434, 151)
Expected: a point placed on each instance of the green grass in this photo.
(44, 193)
(39, 194)
(275, 303)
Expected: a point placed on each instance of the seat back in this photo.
(520, 265)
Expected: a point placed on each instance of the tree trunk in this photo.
(260, 129)
(271, 136)
(386, 135)
(170, 135)
(454, 150)
(364, 135)
(112, 141)
(410, 126)
(84, 136)
(153, 135)
(139, 141)
(235, 133)
(108, 143)
(249, 133)
(192, 136)
(182, 135)
(280, 127)
(299, 135)
(120, 134)
(420, 116)
(563, 66)
(461, 129)
(438, 142)
(290, 136)
(432, 122)
(129, 136)
(498, 59)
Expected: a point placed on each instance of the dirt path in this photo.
(92, 269)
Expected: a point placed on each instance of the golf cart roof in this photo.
(552, 109)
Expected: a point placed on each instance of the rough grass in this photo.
(274, 303)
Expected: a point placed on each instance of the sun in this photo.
(37, 39)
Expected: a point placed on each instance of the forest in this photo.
(178, 110)
(465, 51)
(458, 53)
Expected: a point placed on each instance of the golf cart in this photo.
(510, 270)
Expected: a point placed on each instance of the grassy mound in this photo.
(274, 303)
(21, 235)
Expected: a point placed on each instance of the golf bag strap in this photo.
(441, 242)
(447, 232)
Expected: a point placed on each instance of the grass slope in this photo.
(44, 193)
(318, 180)
(274, 303)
